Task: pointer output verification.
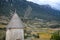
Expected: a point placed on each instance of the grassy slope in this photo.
(2, 32)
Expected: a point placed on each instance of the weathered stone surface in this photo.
(15, 29)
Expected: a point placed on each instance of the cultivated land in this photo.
(43, 33)
(32, 31)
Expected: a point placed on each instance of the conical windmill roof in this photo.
(15, 22)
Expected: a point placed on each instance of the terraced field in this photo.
(32, 33)
(40, 34)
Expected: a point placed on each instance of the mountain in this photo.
(9, 6)
(40, 11)
(44, 12)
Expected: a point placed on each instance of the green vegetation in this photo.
(54, 26)
(2, 34)
(56, 36)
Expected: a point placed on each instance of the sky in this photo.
(53, 3)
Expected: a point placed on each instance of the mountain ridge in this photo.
(40, 11)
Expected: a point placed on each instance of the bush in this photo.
(55, 36)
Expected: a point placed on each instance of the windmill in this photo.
(15, 28)
(28, 12)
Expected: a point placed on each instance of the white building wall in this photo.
(15, 34)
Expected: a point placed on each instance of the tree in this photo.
(55, 36)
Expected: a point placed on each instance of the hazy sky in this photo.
(52, 3)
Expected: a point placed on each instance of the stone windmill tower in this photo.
(15, 29)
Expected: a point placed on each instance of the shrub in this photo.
(55, 36)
